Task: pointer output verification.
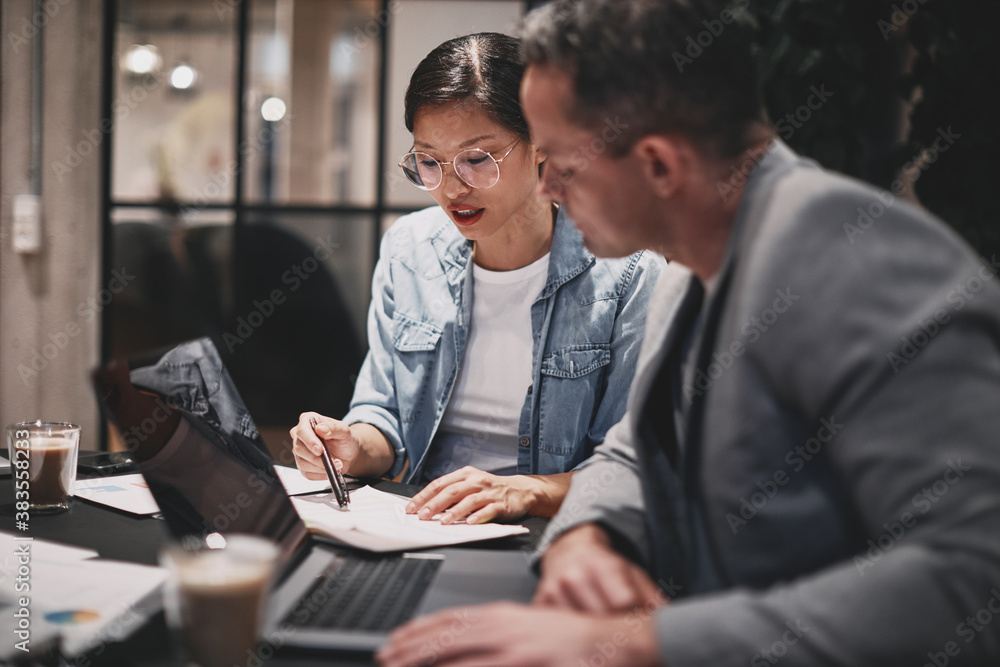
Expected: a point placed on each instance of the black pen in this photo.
(336, 479)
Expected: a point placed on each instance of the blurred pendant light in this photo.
(183, 77)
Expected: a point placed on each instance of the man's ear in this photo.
(661, 162)
(540, 155)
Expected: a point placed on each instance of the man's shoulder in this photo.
(816, 214)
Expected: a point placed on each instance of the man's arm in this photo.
(917, 457)
(606, 491)
(607, 488)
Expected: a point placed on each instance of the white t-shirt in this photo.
(480, 423)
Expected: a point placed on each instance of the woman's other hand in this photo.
(480, 497)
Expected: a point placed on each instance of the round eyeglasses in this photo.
(476, 168)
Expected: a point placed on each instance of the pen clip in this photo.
(337, 482)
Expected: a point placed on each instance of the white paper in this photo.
(124, 492)
(89, 602)
(295, 483)
(131, 493)
(42, 549)
(377, 521)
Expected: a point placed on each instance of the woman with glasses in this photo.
(501, 350)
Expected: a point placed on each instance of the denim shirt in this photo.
(586, 327)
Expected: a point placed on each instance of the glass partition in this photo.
(253, 159)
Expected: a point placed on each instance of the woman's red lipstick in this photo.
(466, 215)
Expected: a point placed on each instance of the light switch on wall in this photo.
(27, 224)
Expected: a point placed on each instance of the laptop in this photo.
(325, 596)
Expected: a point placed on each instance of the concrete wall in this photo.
(49, 320)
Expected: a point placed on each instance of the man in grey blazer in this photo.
(809, 470)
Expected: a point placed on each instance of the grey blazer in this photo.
(833, 497)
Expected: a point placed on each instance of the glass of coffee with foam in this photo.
(216, 595)
(43, 464)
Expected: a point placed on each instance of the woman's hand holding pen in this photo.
(357, 449)
(307, 444)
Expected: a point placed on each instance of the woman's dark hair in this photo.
(484, 68)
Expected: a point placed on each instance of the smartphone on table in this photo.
(104, 463)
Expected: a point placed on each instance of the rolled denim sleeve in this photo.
(375, 400)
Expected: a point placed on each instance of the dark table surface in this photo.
(122, 536)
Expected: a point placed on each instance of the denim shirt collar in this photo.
(567, 259)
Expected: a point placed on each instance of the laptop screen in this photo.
(209, 470)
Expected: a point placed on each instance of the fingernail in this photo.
(447, 518)
(425, 513)
(410, 508)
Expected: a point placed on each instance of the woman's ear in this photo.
(662, 162)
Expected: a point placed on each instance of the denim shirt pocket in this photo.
(576, 360)
(413, 335)
(571, 390)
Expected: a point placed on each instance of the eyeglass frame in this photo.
(452, 162)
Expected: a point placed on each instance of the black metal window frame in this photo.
(240, 208)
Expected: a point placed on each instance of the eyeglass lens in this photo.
(476, 168)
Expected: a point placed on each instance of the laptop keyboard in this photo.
(358, 593)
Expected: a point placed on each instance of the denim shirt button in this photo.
(525, 441)
(530, 388)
